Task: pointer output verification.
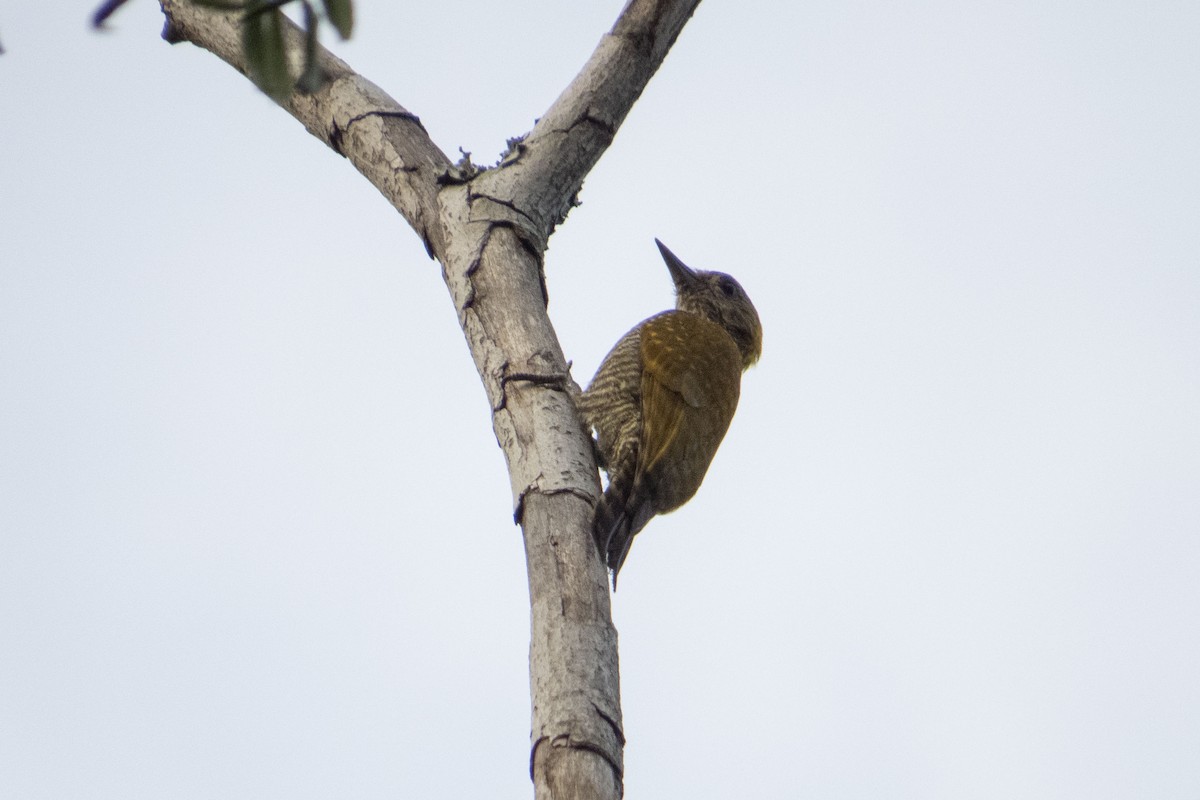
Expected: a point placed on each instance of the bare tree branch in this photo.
(489, 230)
(385, 142)
(546, 171)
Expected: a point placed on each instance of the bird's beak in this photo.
(681, 273)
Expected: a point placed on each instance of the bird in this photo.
(662, 400)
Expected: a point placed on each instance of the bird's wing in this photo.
(690, 382)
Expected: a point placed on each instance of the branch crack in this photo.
(338, 132)
(612, 723)
(509, 204)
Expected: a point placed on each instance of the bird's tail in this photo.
(619, 515)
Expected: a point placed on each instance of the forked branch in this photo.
(489, 229)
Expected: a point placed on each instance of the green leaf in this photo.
(312, 78)
(341, 14)
(262, 42)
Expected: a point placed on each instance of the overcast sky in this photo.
(255, 530)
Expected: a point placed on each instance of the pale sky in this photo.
(255, 530)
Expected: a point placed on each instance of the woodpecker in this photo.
(662, 400)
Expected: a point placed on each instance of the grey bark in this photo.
(489, 231)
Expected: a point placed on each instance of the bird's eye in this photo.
(728, 287)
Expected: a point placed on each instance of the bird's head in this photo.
(717, 297)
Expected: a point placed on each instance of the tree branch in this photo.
(356, 118)
(489, 230)
(543, 173)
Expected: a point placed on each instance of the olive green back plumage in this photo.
(662, 400)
